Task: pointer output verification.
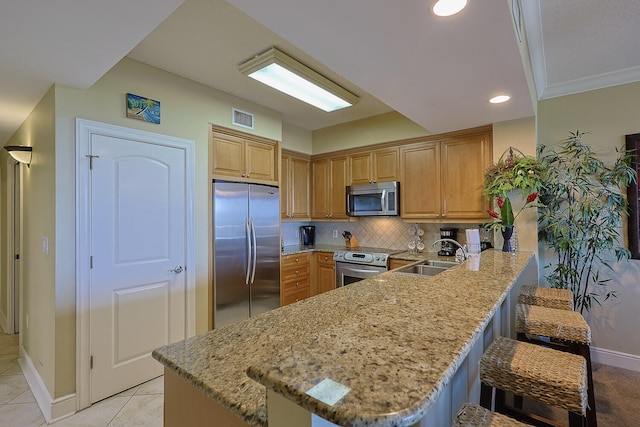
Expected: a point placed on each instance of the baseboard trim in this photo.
(52, 409)
(615, 358)
(3, 321)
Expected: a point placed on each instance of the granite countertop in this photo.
(394, 340)
(298, 249)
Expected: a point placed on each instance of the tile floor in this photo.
(139, 406)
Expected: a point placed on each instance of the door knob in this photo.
(178, 269)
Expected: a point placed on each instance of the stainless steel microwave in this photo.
(380, 199)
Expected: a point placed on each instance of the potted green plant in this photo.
(513, 173)
(581, 217)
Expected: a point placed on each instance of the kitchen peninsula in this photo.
(401, 348)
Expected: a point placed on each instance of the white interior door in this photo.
(138, 224)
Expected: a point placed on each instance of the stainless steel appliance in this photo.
(381, 199)
(246, 250)
(448, 248)
(361, 263)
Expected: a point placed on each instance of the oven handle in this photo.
(357, 270)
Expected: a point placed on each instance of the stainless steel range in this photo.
(353, 265)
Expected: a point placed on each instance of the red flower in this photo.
(494, 213)
(531, 197)
(500, 202)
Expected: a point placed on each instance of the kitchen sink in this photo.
(426, 268)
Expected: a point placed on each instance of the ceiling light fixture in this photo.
(499, 99)
(448, 7)
(20, 152)
(284, 73)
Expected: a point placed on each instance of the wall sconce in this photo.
(284, 73)
(21, 153)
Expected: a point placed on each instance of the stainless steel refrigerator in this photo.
(246, 247)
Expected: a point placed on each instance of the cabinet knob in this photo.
(297, 272)
(296, 259)
(244, 175)
(330, 216)
(297, 284)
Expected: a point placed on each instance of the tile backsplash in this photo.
(378, 232)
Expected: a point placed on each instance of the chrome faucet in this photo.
(459, 258)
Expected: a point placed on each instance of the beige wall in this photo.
(296, 138)
(609, 115)
(38, 271)
(383, 128)
(49, 185)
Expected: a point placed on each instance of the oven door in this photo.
(347, 272)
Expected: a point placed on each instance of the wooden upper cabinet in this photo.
(228, 155)
(420, 180)
(328, 183)
(338, 184)
(443, 179)
(320, 189)
(385, 165)
(294, 186)
(464, 161)
(261, 161)
(376, 166)
(243, 157)
(285, 197)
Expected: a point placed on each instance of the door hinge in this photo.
(17, 256)
(91, 362)
(91, 261)
(91, 160)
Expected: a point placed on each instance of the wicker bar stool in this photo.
(471, 415)
(566, 331)
(554, 377)
(561, 299)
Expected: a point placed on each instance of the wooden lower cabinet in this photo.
(295, 278)
(325, 272)
(395, 263)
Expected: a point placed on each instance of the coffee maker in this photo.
(308, 235)
(448, 248)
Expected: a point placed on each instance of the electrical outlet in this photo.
(335, 233)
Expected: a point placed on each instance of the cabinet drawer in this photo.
(296, 284)
(291, 260)
(295, 272)
(296, 296)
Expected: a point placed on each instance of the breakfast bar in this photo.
(394, 350)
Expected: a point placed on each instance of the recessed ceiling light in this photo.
(499, 99)
(448, 7)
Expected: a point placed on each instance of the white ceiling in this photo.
(395, 55)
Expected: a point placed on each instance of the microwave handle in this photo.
(383, 201)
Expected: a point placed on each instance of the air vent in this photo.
(242, 118)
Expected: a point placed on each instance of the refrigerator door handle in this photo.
(248, 236)
(254, 245)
